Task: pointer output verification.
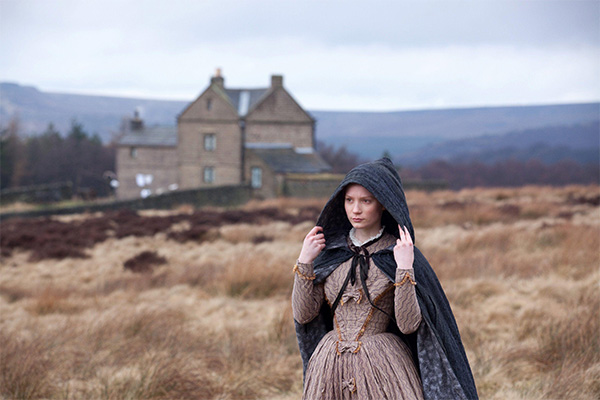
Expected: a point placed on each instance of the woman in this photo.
(371, 317)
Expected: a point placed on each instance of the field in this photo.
(195, 304)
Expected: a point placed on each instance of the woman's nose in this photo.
(356, 208)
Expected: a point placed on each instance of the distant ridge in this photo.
(98, 114)
(579, 143)
(454, 123)
(404, 132)
(369, 134)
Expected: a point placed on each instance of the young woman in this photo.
(371, 317)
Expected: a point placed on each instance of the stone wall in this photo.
(48, 193)
(323, 185)
(298, 134)
(224, 196)
(158, 162)
(270, 186)
(209, 114)
(225, 159)
(305, 185)
(280, 119)
(279, 105)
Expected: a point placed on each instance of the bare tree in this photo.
(340, 159)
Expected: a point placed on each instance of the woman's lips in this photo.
(357, 219)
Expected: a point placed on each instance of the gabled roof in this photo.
(245, 99)
(158, 136)
(283, 158)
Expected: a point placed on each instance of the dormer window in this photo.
(210, 142)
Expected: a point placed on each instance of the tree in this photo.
(87, 159)
(45, 155)
(12, 163)
(53, 158)
(340, 159)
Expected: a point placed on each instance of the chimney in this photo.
(276, 81)
(218, 79)
(136, 123)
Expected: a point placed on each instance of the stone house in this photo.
(225, 137)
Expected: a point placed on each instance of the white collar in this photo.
(358, 243)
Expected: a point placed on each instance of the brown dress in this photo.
(358, 359)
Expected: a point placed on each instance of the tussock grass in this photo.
(13, 293)
(255, 274)
(25, 366)
(519, 266)
(53, 300)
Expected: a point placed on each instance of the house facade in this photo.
(222, 138)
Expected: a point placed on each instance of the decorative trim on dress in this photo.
(355, 345)
(301, 275)
(355, 295)
(349, 384)
(406, 278)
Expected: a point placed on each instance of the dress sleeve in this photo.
(307, 297)
(406, 306)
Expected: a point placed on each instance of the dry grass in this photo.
(520, 267)
(24, 367)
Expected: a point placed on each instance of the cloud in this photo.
(449, 76)
(334, 54)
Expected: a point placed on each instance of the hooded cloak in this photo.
(436, 346)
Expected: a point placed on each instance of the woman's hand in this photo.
(404, 253)
(314, 242)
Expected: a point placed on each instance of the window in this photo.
(209, 174)
(210, 142)
(133, 152)
(256, 177)
(209, 104)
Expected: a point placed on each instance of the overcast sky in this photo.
(334, 55)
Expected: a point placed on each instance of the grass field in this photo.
(194, 304)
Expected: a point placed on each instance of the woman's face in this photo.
(363, 210)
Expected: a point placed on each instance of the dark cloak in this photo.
(436, 345)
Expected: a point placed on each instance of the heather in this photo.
(194, 304)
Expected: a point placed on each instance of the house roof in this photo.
(244, 100)
(151, 136)
(283, 158)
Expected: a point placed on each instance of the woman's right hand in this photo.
(314, 242)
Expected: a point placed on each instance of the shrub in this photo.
(144, 262)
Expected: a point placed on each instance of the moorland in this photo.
(195, 304)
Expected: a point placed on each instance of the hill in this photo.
(35, 109)
(551, 144)
(403, 132)
(368, 134)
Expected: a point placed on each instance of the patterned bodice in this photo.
(354, 312)
(358, 359)
(355, 318)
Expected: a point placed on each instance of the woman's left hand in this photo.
(404, 253)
